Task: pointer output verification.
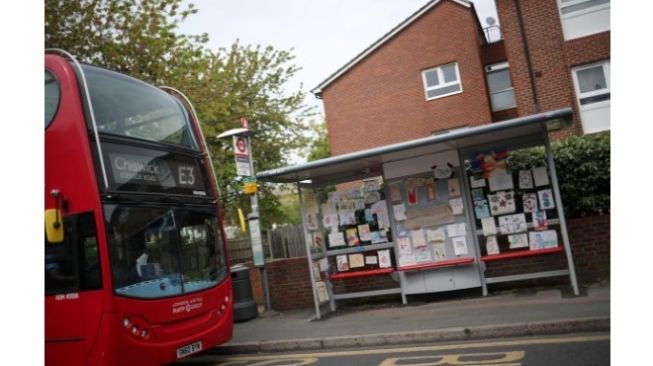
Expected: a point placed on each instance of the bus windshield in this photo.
(158, 252)
(128, 107)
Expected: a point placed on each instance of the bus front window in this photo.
(161, 252)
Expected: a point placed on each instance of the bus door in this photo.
(72, 307)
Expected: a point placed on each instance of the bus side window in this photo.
(74, 265)
(89, 263)
(59, 263)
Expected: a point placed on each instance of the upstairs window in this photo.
(582, 18)
(442, 81)
(502, 94)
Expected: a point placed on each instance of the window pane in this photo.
(51, 97)
(441, 91)
(128, 107)
(91, 278)
(499, 80)
(431, 78)
(595, 99)
(581, 6)
(60, 262)
(591, 79)
(503, 100)
(449, 72)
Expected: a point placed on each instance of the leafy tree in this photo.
(140, 38)
(319, 146)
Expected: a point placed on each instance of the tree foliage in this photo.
(319, 146)
(140, 38)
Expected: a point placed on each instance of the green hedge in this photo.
(583, 167)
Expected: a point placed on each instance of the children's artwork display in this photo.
(342, 263)
(356, 260)
(456, 230)
(337, 239)
(525, 179)
(418, 238)
(546, 199)
(489, 226)
(476, 182)
(453, 187)
(371, 260)
(511, 224)
(541, 177)
(539, 221)
(492, 246)
(364, 233)
(403, 243)
(456, 205)
(477, 194)
(399, 211)
(500, 180)
(384, 258)
(481, 209)
(502, 203)
(431, 191)
(395, 192)
(321, 290)
(439, 252)
(352, 237)
(460, 245)
(518, 241)
(530, 202)
(543, 239)
(435, 235)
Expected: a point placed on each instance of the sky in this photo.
(324, 34)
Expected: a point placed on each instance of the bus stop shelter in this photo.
(438, 192)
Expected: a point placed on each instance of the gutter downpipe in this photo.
(529, 65)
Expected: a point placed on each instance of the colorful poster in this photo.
(371, 260)
(546, 199)
(492, 245)
(423, 255)
(459, 245)
(399, 211)
(478, 194)
(525, 179)
(456, 205)
(364, 232)
(431, 191)
(384, 258)
(418, 238)
(352, 237)
(318, 239)
(456, 230)
(405, 248)
(336, 239)
(541, 177)
(330, 221)
(395, 192)
(543, 239)
(500, 180)
(477, 182)
(439, 252)
(502, 203)
(530, 202)
(518, 241)
(435, 235)
(481, 209)
(511, 224)
(489, 226)
(342, 263)
(539, 221)
(453, 187)
(356, 260)
(412, 196)
(375, 237)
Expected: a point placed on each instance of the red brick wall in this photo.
(381, 99)
(290, 288)
(551, 57)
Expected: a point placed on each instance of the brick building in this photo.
(440, 69)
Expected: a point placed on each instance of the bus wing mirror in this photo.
(53, 226)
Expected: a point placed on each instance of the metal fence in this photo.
(284, 242)
(493, 34)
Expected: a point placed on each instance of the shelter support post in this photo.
(561, 213)
(316, 301)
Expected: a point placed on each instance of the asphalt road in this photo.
(577, 349)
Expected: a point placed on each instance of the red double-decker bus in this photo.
(136, 270)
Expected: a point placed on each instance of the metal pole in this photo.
(561, 213)
(256, 231)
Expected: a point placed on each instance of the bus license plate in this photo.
(189, 350)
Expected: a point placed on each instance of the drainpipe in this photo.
(520, 20)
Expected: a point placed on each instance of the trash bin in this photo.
(244, 305)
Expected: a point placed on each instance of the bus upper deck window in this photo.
(52, 96)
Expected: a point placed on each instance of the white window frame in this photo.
(606, 73)
(494, 68)
(579, 12)
(438, 70)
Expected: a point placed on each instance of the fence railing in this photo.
(493, 34)
(284, 242)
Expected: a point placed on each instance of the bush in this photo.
(583, 167)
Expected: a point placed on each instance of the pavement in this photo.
(506, 314)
